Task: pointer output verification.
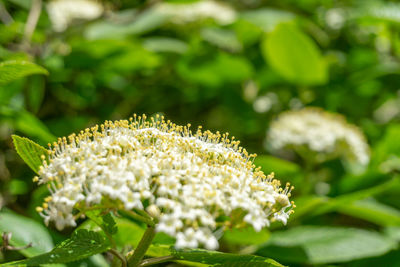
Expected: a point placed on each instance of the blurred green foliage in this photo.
(230, 66)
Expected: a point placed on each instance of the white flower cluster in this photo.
(319, 131)
(188, 182)
(63, 12)
(189, 12)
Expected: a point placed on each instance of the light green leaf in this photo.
(323, 244)
(129, 233)
(379, 12)
(306, 205)
(267, 18)
(81, 245)
(16, 69)
(143, 22)
(372, 211)
(165, 44)
(215, 258)
(105, 221)
(246, 236)
(281, 167)
(24, 231)
(26, 4)
(294, 56)
(223, 69)
(29, 151)
(330, 205)
(26, 123)
(222, 38)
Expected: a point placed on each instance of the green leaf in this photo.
(376, 12)
(246, 236)
(387, 146)
(29, 151)
(105, 221)
(222, 38)
(215, 258)
(109, 224)
(294, 56)
(267, 18)
(81, 245)
(16, 69)
(165, 44)
(393, 232)
(26, 123)
(281, 167)
(372, 211)
(333, 204)
(24, 231)
(222, 70)
(129, 233)
(323, 244)
(143, 22)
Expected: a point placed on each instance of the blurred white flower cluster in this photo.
(326, 133)
(63, 12)
(193, 184)
(189, 12)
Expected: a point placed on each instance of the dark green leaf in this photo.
(81, 245)
(29, 151)
(16, 69)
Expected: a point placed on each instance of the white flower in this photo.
(184, 180)
(326, 133)
(63, 12)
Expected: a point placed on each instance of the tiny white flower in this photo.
(186, 181)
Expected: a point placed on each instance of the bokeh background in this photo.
(231, 66)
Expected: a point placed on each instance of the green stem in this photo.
(119, 256)
(138, 217)
(157, 260)
(142, 247)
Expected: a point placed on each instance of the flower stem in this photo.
(157, 260)
(138, 217)
(119, 256)
(142, 247)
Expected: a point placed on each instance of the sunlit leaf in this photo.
(372, 211)
(246, 236)
(29, 151)
(81, 245)
(294, 56)
(25, 231)
(267, 18)
(215, 258)
(16, 69)
(325, 244)
(26, 123)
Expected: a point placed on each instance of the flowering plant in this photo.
(189, 185)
